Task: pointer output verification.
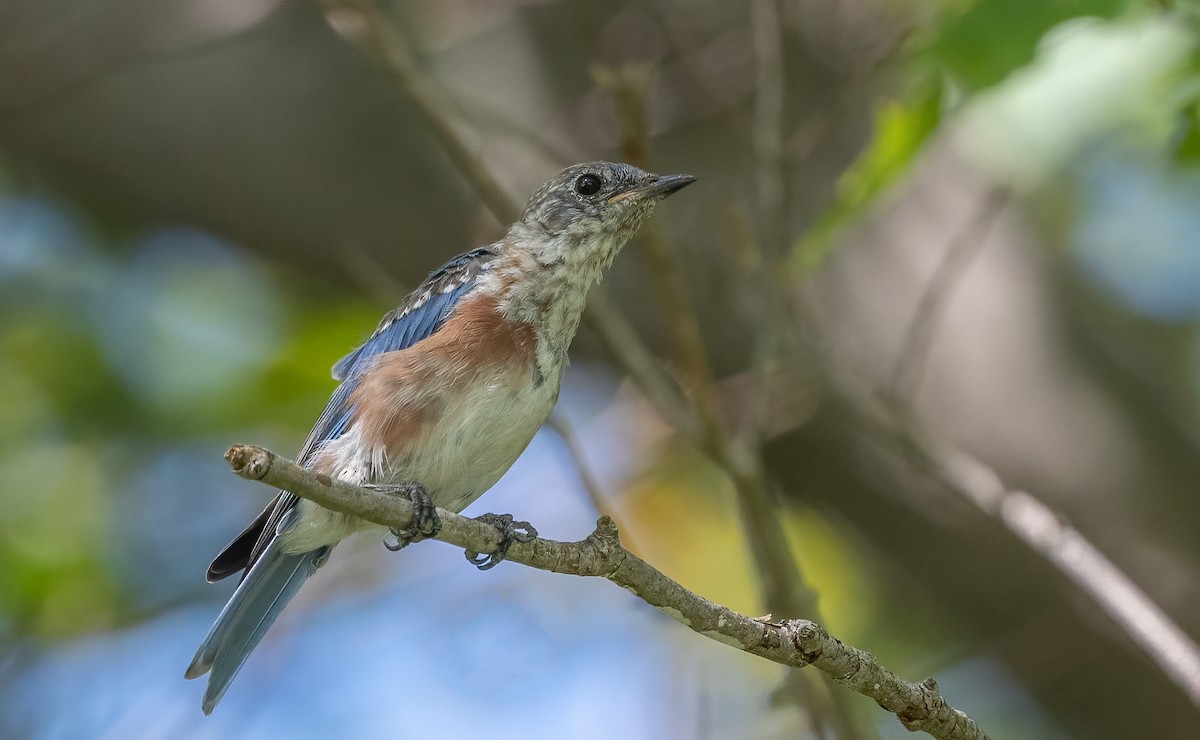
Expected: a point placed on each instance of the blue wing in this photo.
(272, 578)
(420, 315)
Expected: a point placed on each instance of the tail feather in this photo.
(272, 582)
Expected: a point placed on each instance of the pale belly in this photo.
(473, 442)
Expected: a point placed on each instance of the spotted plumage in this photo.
(420, 315)
(446, 393)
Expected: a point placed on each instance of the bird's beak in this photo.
(660, 186)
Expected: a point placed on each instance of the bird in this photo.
(442, 398)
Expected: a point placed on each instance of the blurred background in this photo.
(935, 245)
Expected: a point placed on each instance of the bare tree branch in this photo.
(1036, 524)
(632, 356)
(956, 260)
(781, 582)
(1040, 527)
(1045, 531)
(791, 642)
(558, 424)
(768, 126)
(364, 22)
(783, 586)
(629, 87)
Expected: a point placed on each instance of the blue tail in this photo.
(271, 583)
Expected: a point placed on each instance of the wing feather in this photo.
(422, 313)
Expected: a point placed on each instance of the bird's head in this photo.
(586, 213)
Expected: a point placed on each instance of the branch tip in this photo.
(808, 631)
(251, 463)
(806, 637)
(606, 529)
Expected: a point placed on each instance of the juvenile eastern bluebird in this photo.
(441, 400)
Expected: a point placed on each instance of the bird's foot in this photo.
(510, 532)
(425, 522)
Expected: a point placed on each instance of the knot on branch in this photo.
(251, 463)
(605, 537)
(605, 544)
(808, 637)
(931, 702)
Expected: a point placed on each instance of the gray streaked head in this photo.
(587, 212)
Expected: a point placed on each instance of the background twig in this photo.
(362, 20)
(956, 260)
(783, 587)
(1046, 532)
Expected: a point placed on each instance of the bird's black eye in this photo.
(587, 185)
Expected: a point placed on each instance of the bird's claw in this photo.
(510, 532)
(425, 522)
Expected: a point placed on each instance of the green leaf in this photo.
(901, 128)
(1187, 151)
(991, 38)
